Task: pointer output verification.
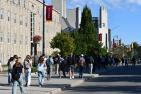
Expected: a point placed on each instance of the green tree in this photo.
(86, 39)
(64, 42)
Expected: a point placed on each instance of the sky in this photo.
(124, 16)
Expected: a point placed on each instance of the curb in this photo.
(79, 82)
(55, 91)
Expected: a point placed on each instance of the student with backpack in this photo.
(17, 78)
(81, 65)
(41, 67)
(49, 63)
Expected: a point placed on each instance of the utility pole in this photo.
(43, 49)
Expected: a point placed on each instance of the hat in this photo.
(82, 55)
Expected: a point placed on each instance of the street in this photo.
(121, 80)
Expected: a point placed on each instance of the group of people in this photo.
(17, 70)
(59, 64)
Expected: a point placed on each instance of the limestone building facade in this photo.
(20, 20)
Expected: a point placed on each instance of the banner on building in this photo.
(100, 37)
(49, 9)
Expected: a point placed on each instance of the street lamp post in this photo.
(43, 49)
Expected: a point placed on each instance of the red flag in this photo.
(100, 37)
(49, 9)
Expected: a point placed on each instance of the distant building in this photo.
(74, 17)
(103, 31)
(103, 28)
(60, 6)
(110, 40)
(69, 18)
(96, 23)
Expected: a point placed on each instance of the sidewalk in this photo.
(52, 86)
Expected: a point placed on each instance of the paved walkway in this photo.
(52, 86)
(120, 80)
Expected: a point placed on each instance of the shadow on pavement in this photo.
(117, 79)
(127, 89)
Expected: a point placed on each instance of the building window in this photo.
(15, 18)
(26, 21)
(8, 37)
(26, 40)
(21, 20)
(21, 39)
(1, 14)
(1, 37)
(32, 19)
(8, 18)
(15, 38)
(103, 24)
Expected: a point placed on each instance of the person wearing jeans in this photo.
(27, 67)
(17, 80)
(41, 71)
(20, 83)
(49, 63)
(81, 65)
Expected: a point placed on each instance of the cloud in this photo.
(135, 2)
(122, 3)
(129, 5)
(107, 3)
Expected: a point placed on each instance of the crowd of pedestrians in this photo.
(61, 66)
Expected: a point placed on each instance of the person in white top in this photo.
(27, 68)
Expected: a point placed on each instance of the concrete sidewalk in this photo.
(52, 86)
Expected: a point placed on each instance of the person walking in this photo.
(62, 67)
(56, 62)
(126, 61)
(10, 64)
(49, 63)
(41, 67)
(17, 76)
(91, 64)
(71, 64)
(27, 69)
(81, 65)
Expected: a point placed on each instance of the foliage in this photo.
(103, 51)
(64, 42)
(135, 45)
(138, 50)
(36, 38)
(86, 39)
(121, 51)
(55, 53)
(34, 69)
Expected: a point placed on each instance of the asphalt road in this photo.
(120, 80)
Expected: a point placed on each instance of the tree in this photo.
(86, 39)
(64, 42)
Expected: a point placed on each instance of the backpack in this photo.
(81, 61)
(16, 72)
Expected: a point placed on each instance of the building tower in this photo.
(74, 17)
(103, 29)
(60, 6)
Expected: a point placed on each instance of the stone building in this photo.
(20, 20)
